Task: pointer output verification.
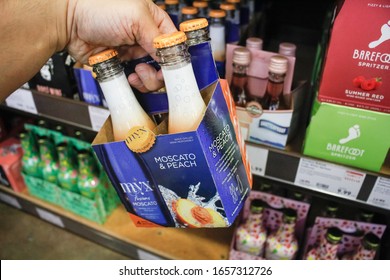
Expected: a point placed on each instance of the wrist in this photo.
(64, 14)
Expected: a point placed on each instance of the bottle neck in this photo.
(254, 221)
(286, 232)
(64, 157)
(240, 69)
(108, 69)
(28, 145)
(197, 36)
(364, 253)
(174, 57)
(172, 8)
(217, 22)
(328, 250)
(276, 77)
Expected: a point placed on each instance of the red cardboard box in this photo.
(11, 164)
(357, 66)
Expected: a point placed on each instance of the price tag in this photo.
(331, 178)
(258, 159)
(22, 99)
(143, 255)
(10, 200)
(50, 217)
(97, 116)
(380, 194)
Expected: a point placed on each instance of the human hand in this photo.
(128, 25)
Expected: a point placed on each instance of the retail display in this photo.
(196, 173)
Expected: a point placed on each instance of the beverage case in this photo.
(272, 128)
(272, 217)
(357, 65)
(353, 232)
(196, 179)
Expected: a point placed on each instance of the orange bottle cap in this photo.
(161, 6)
(233, 1)
(169, 40)
(189, 10)
(217, 13)
(171, 2)
(102, 56)
(227, 7)
(200, 4)
(193, 24)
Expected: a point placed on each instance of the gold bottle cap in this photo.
(102, 56)
(169, 40)
(193, 24)
(140, 139)
(217, 13)
(171, 2)
(189, 10)
(200, 4)
(227, 7)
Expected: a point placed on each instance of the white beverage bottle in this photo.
(217, 35)
(186, 106)
(125, 110)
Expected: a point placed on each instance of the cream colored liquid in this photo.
(125, 110)
(217, 36)
(186, 106)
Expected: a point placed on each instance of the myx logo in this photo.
(136, 188)
(385, 35)
(341, 150)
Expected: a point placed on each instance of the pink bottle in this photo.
(366, 250)
(251, 236)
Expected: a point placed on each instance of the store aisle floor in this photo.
(23, 236)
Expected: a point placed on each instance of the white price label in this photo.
(143, 255)
(258, 159)
(380, 194)
(97, 116)
(329, 178)
(10, 200)
(22, 99)
(50, 217)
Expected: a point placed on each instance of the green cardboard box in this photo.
(347, 135)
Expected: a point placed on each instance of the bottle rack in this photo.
(118, 233)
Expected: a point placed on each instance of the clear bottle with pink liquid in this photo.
(282, 244)
(251, 235)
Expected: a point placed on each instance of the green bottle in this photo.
(67, 173)
(88, 182)
(48, 165)
(30, 159)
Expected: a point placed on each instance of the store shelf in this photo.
(119, 233)
(290, 166)
(67, 111)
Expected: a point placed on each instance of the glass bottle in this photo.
(331, 210)
(188, 13)
(232, 22)
(257, 72)
(273, 97)
(251, 235)
(199, 47)
(202, 7)
(173, 10)
(48, 165)
(218, 41)
(282, 244)
(67, 173)
(365, 216)
(367, 249)
(124, 108)
(30, 158)
(238, 84)
(186, 106)
(329, 244)
(88, 181)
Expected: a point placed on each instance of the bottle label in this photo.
(203, 64)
